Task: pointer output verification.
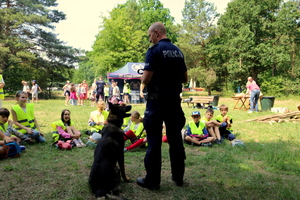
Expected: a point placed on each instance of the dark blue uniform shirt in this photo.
(167, 62)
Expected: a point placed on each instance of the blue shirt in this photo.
(100, 85)
(167, 62)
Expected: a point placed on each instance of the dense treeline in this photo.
(252, 38)
(28, 48)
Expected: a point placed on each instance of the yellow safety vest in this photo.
(1, 90)
(24, 118)
(197, 130)
(220, 119)
(4, 127)
(55, 134)
(138, 130)
(125, 122)
(98, 118)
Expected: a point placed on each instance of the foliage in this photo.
(84, 72)
(279, 86)
(26, 42)
(123, 35)
(259, 37)
(196, 30)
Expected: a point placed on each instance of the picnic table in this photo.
(241, 103)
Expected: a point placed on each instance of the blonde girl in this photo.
(134, 129)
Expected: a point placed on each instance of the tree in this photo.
(26, 42)
(258, 38)
(123, 36)
(197, 29)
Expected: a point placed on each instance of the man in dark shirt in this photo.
(164, 73)
(100, 89)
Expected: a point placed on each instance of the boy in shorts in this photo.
(225, 123)
(197, 132)
(212, 125)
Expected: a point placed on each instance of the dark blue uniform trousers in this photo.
(170, 112)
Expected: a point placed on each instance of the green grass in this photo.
(268, 167)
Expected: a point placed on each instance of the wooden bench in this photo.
(200, 99)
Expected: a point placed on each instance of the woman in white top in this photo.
(116, 90)
(26, 89)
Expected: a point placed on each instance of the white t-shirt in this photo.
(26, 88)
(35, 88)
(116, 91)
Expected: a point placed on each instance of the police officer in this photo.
(164, 73)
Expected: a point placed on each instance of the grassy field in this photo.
(268, 167)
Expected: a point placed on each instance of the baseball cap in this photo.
(196, 113)
(33, 81)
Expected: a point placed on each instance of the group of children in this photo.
(73, 93)
(204, 132)
(25, 128)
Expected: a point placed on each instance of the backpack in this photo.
(14, 150)
(65, 145)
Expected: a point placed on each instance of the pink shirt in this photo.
(253, 86)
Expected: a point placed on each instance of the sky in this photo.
(83, 18)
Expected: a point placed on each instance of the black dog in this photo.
(105, 175)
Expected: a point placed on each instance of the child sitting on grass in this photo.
(134, 129)
(5, 139)
(212, 125)
(64, 129)
(196, 132)
(24, 118)
(225, 123)
(7, 129)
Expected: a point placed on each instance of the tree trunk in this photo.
(209, 90)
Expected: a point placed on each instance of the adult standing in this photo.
(35, 91)
(116, 91)
(67, 93)
(2, 84)
(250, 80)
(26, 89)
(126, 91)
(100, 89)
(164, 73)
(254, 91)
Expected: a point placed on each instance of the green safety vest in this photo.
(55, 134)
(125, 122)
(97, 118)
(26, 119)
(220, 119)
(4, 127)
(197, 130)
(138, 130)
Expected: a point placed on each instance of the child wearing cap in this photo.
(212, 125)
(196, 132)
(225, 120)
